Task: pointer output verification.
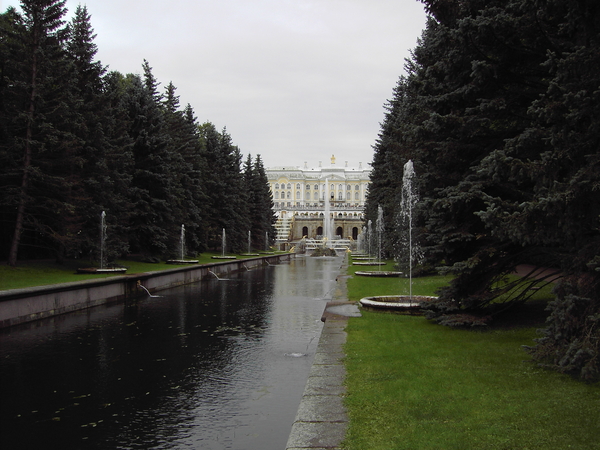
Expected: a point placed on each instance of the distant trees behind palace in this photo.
(500, 112)
(76, 140)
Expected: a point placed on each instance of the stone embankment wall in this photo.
(26, 305)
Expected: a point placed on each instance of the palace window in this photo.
(348, 196)
(276, 194)
(316, 196)
(289, 186)
(308, 186)
(356, 188)
(298, 186)
(356, 196)
(316, 187)
(340, 196)
(276, 185)
(297, 194)
(289, 195)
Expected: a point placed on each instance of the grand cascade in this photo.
(304, 196)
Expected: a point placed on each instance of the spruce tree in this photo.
(41, 141)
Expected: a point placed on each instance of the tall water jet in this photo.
(266, 241)
(370, 237)
(223, 242)
(327, 232)
(379, 227)
(409, 200)
(182, 242)
(223, 248)
(408, 246)
(182, 252)
(249, 241)
(102, 268)
(102, 238)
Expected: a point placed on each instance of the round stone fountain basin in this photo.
(182, 261)
(378, 273)
(367, 263)
(224, 257)
(395, 302)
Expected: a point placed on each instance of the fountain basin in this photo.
(101, 271)
(250, 254)
(380, 273)
(367, 263)
(224, 257)
(182, 261)
(396, 302)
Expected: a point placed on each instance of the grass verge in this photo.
(416, 385)
(41, 273)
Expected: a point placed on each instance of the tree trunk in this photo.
(14, 246)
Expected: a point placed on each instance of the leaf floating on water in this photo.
(82, 396)
(56, 419)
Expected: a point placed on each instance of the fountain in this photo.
(144, 288)
(250, 246)
(102, 269)
(379, 227)
(327, 231)
(102, 238)
(223, 247)
(409, 200)
(182, 259)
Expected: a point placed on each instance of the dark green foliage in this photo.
(571, 342)
(76, 141)
(260, 204)
(499, 112)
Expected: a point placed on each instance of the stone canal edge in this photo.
(321, 421)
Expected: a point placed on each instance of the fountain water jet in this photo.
(102, 238)
(250, 245)
(380, 228)
(223, 246)
(182, 259)
(408, 202)
(102, 269)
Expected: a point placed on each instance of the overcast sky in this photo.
(292, 80)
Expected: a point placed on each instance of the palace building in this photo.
(300, 203)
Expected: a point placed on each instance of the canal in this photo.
(219, 364)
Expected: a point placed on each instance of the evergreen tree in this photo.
(153, 229)
(265, 216)
(184, 148)
(260, 203)
(224, 186)
(40, 140)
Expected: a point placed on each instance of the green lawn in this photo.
(41, 273)
(416, 385)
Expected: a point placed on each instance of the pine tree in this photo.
(153, 229)
(224, 187)
(41, 140)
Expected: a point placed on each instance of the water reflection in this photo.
(206, 366)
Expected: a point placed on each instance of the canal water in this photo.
(219, 364)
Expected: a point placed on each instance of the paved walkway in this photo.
(321, 420)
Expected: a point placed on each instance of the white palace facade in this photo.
(299, 199)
